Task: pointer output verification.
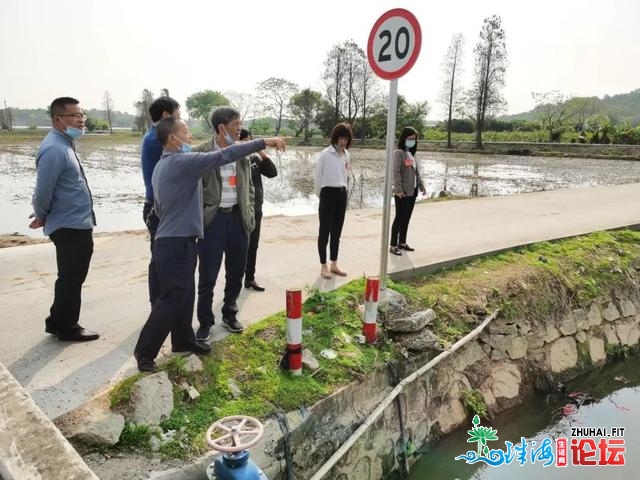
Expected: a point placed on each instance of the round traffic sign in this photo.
(394, 43)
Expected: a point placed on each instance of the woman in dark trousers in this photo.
(331, 186)
(406, 182)
(260, 165)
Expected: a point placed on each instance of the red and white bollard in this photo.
(369, 327)
(294, 331)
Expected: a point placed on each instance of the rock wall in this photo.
(505, 363)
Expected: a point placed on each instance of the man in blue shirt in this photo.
(178, 203)
(63, 205)
(162, 107)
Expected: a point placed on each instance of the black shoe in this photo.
(232, 324)
(78, 335)
(406, 247)
(254, 286)
(49, 327)
(199, 348)
(145, 364)
(203, 333)
(395, 250)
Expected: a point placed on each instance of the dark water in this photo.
(617, 405)
(115, 178)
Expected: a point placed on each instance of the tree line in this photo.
(352, 93)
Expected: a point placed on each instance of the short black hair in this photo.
(223, 115)
(407, 132)
(244, 133)
(166, 127)
(341, 130)
(160, 105)
(59, 105)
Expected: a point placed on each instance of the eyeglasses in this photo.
(77, 116)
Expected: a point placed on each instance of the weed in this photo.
(474, 402)
(121, 393)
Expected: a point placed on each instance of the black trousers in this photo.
(151, 221)
(224, 236)
(175, 260)
(332, 208)
(404, 209)
(74, 249)
(252, 253)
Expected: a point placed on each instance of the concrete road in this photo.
(62, 376)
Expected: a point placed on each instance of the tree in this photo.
(451, 88)
(350, 84)
(583, 109)
(242, 102)
(304, 107)
(164, 92)
(200, 104)
(107, 104)
(408, 114)
(276, 94)
(553, 112)
(333, 78)
(143, 119)
(490, 52)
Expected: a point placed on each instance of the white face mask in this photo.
(410, 143)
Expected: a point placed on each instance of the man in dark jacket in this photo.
(261, 164)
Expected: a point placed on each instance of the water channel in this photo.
(116, 181)
(617, 403)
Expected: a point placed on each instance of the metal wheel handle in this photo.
(234, 433)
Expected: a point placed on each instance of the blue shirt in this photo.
(61, 196)
(150, 156)
(178, 188)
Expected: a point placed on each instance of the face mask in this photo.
(228, 138)
(186, 148)
(410, 143)
(74, 132)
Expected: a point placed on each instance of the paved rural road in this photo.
(62, 376)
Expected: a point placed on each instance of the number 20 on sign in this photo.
(394, 44)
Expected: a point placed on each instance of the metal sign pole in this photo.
(388, 179)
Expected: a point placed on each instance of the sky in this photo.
(82, 48)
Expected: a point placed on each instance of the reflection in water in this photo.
(114, 174)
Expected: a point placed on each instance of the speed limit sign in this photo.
(393, 48)
(394, 44)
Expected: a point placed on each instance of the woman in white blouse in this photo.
(406, 182)
(331, 186)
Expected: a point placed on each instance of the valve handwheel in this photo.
(238, 432)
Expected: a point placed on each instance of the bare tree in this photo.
(350, 83)
(143, 119)
(107, 104)
(333, 78)
(553, 112)
(276, 94)
(451, 88)
(242, 102)
(490, 66)
(7, 120)
(164, 92)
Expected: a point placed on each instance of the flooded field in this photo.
(115, 178)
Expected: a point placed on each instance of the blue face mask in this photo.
(74, 132)
(186, 148)
(410, 143)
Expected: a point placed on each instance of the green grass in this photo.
(518, 282)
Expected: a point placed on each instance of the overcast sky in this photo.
(82, 48)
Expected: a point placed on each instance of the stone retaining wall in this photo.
(507, 361)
